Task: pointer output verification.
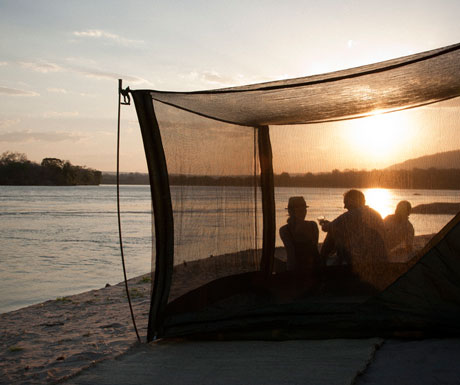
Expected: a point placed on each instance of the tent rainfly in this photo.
(219, 268)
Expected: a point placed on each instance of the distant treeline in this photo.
(125, 178)
(407, 179)
(416, 178)
(16, 169)
(194, 180)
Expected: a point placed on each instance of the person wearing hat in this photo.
(300, 238)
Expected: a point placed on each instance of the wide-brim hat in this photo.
(296, 202)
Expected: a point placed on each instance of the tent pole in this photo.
(125, 102)
(268, 200)
(256, 186)
(162, 210)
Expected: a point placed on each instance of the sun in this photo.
(380, 137)
(380, 199)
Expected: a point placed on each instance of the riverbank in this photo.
(56, 339)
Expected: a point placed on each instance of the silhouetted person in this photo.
(300, 238)
(399, 232)
(357, 236)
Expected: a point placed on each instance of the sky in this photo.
(60, 61)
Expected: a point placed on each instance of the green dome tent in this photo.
(219, 268)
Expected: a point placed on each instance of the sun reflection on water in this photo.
(381, 200)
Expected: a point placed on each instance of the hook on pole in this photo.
(125, 93)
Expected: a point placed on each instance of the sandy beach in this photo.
(54, 340)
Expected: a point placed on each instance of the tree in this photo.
(52, 162)
(15, 169)
(70, 175)
(9, 157)
(52, 171)
(283, 179)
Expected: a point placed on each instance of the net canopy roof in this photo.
(383, 87)
(226, 260)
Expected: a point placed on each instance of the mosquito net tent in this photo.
(233, 170)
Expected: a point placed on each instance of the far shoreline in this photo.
(419, 179)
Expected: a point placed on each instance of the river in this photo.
(58, 241)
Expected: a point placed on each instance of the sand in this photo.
(52, 341)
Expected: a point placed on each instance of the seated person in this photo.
(300, 238)
(357, 236)
(399, 232)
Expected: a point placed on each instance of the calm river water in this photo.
(57, 241)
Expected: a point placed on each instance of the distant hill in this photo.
(440, 160)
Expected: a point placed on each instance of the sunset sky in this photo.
(60, 61)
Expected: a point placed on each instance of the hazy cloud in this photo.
(102, 75)
(5, 123)
(3, 63)
(86, 95)
(56, 114)
(81, 61)
(211, 77)
(215, 79)
(88, 67)
(57, 90)
(43, 136)
(16, 92)
(64, 91)
(43, 67)
(100, 34)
